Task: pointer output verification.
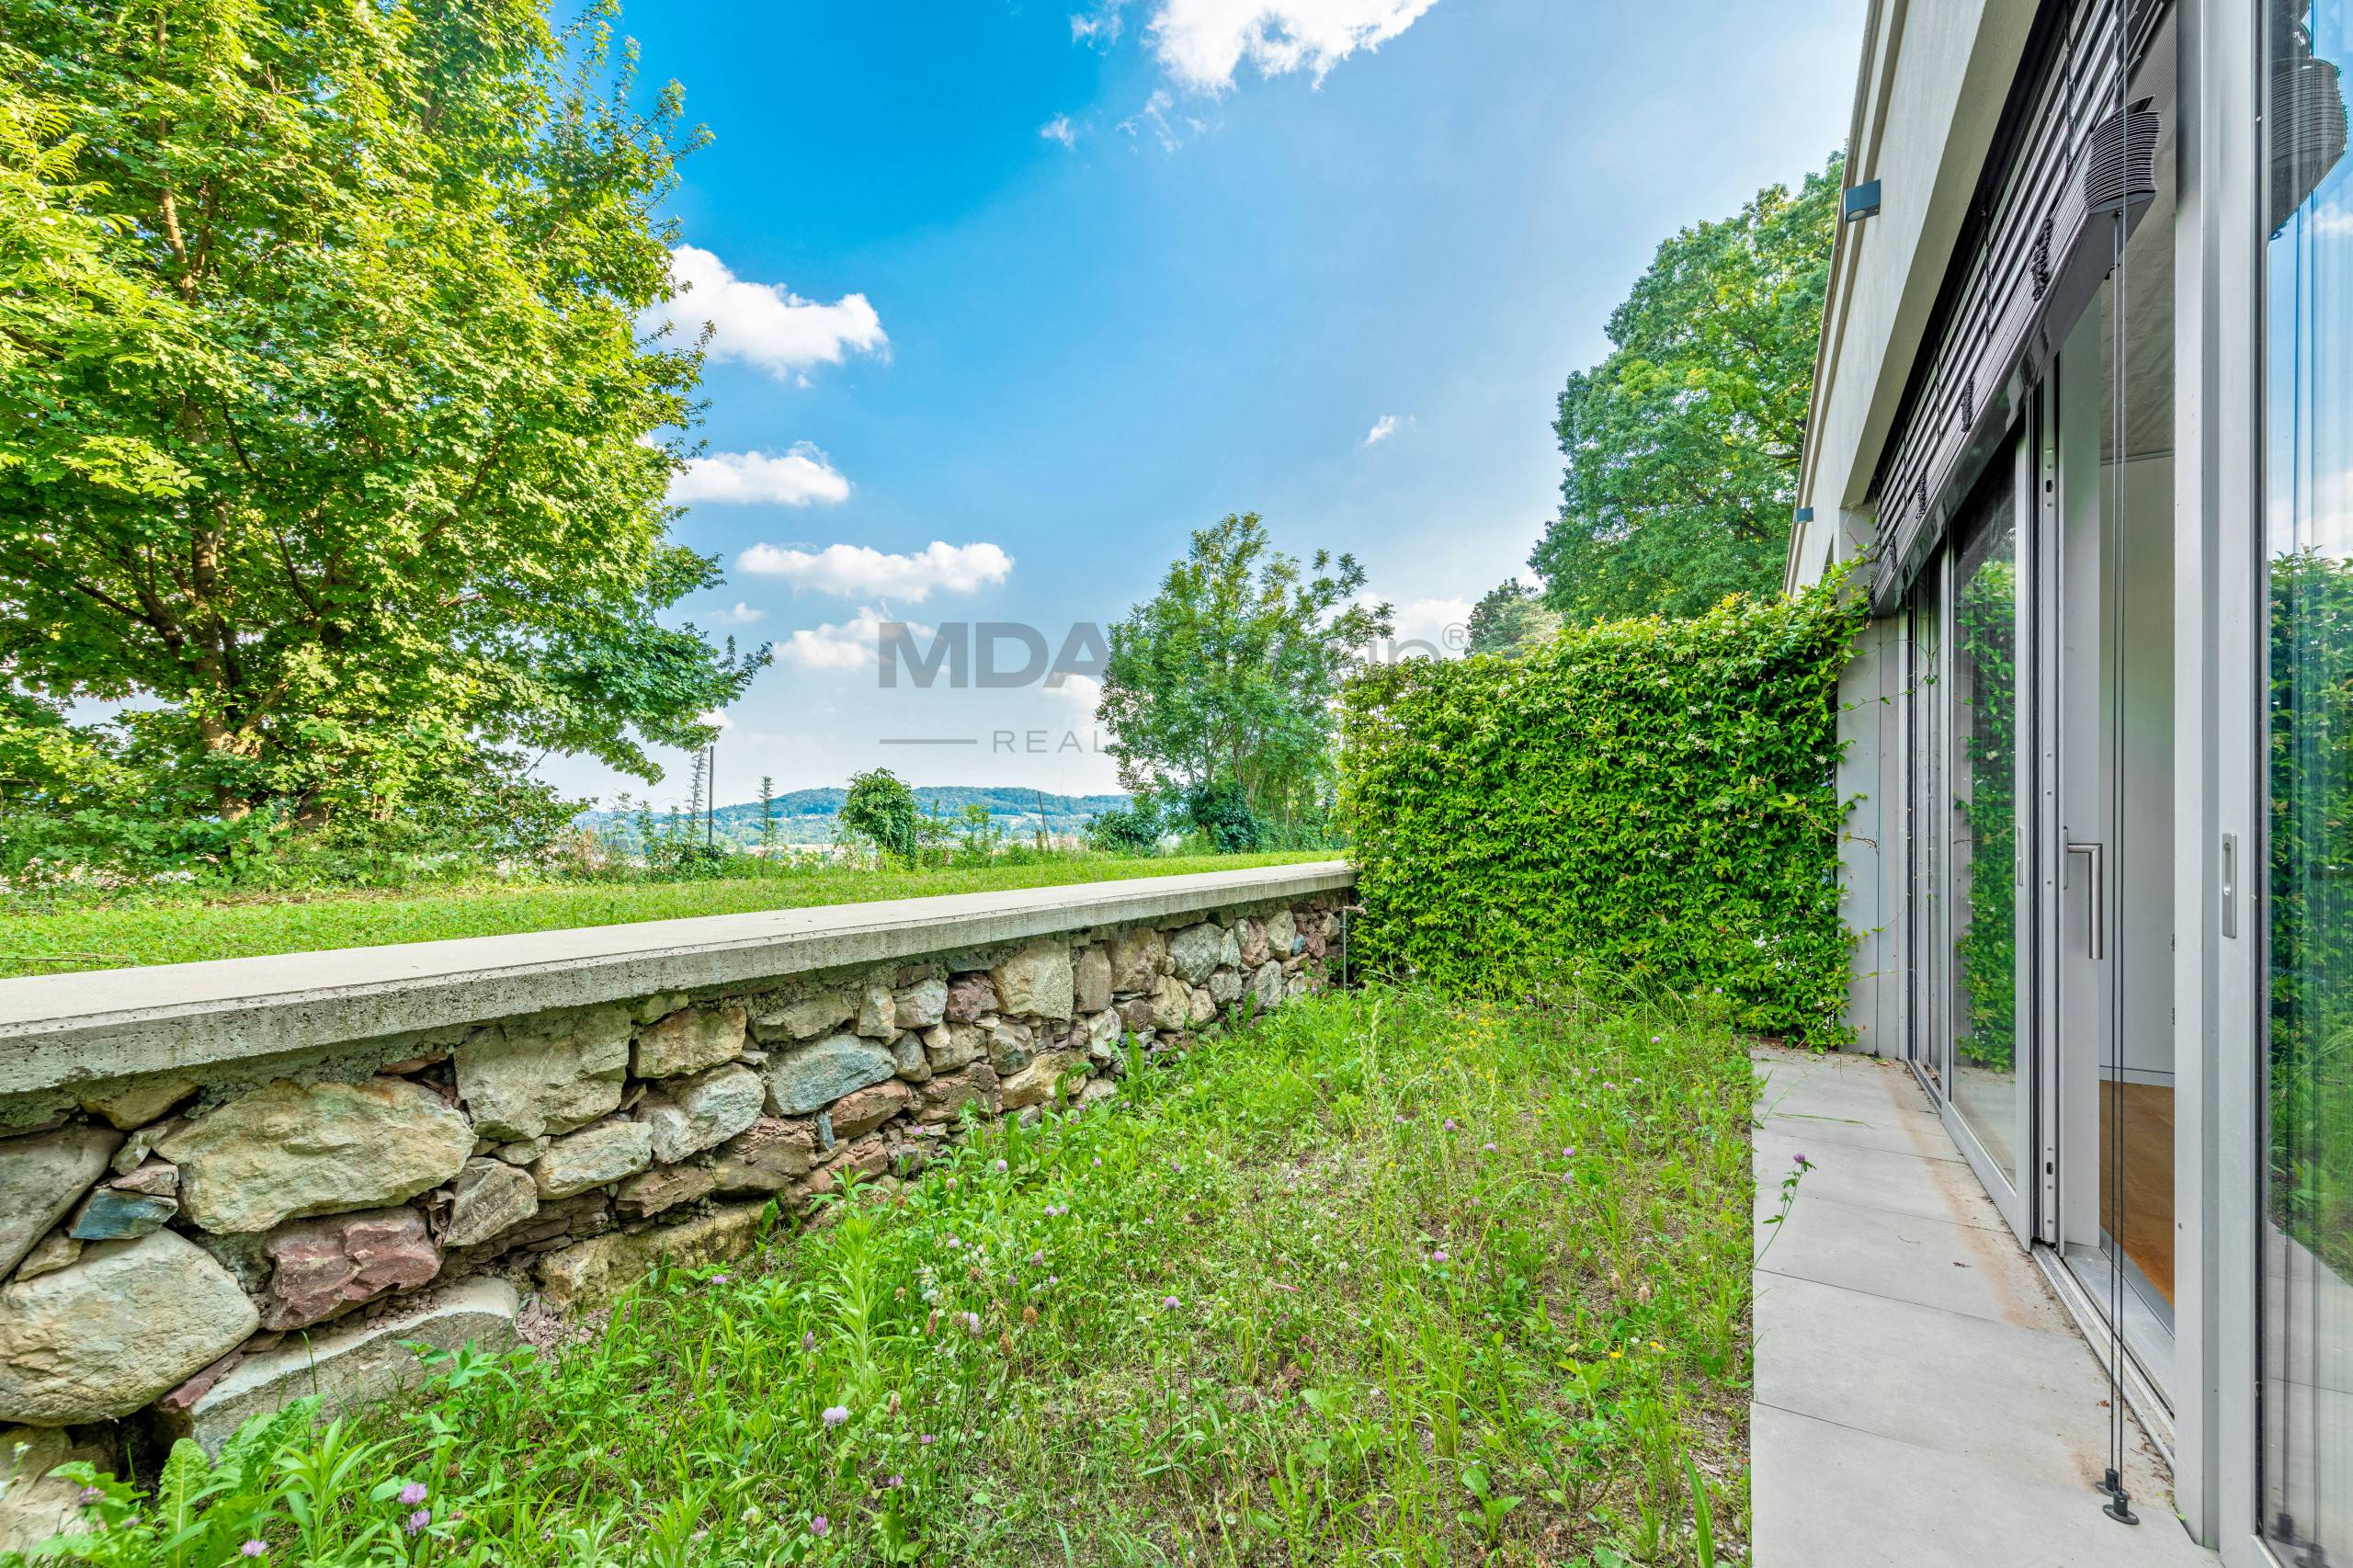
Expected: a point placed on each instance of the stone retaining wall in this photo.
(203, 1243)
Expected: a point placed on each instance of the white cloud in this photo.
(1425, 628)
(762, 323)
(1084, 692)
(1202, 42)
(742, 615)
(1388, 424)
(858, 570)
(1100, 25)
(797, 478)
(1059, 129)
(856, 644)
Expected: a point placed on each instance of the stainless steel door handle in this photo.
(2098, 853)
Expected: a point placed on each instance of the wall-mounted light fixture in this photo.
(1862, 200)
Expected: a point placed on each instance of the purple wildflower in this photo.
(837, 1413)
(926, 1440)
(1439, 1256)
(1450, 1124)
(1171, 1303)
(819, 1525)
(252, 1549)
(1490, 1148)
(1002, 1167)
(88, 1495)
(1802, 1162)
(809, 1340)
(411, 1495)
(418, 1520)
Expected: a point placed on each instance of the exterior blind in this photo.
(2031, 260)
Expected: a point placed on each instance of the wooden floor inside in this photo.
(2144, 1227)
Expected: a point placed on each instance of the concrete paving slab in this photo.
(1874, 1178)
(1825, 1496)
(2023, 1400)
(1931, 1263)
(1921, 1399)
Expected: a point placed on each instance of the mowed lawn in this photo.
(162, 927)
(1378, 1278)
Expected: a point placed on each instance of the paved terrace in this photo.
(1922, 1399)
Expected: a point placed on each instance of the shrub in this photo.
(880, 809)
(1220, 811)
(1647, 802)
(1132, 829)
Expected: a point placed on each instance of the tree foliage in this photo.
(327, 439)
(880, 809)
(1647, 804)
(1683, 444)
(1230, 672)
(1511, 618)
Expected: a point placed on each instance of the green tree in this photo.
(880, 809)
(1683, 444)
(1231, 671)
(327, 437)
(1511, 618)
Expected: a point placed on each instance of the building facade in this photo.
(2083, 436)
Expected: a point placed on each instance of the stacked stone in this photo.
(182, 1244)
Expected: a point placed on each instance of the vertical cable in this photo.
(2120, 1500)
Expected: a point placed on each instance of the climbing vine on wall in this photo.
(1644, 802)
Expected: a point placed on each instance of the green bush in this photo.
(1647, 803)
(1220, 812)
(1132, 829)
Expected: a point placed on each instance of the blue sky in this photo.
(1009, 297)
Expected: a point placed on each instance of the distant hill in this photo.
(807, 816)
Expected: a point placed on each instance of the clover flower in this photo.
(1002, 1167)
(252, 1549)
(411, 1495)
(88, 1495)
(835, 1414)
(1170, 1303)
(1450, 1124)
(418, 1520)
(819, 1525)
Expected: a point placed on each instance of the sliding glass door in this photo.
(1968, 820)
(2307, 1285)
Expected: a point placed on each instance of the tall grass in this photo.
(1377, 1279)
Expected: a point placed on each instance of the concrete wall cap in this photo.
(63, 1029)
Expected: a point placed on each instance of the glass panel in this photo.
(1927, 816)
(2308, 1236)
(1984, 821)
(2136, 1064)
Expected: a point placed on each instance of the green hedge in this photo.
(1646, 802)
